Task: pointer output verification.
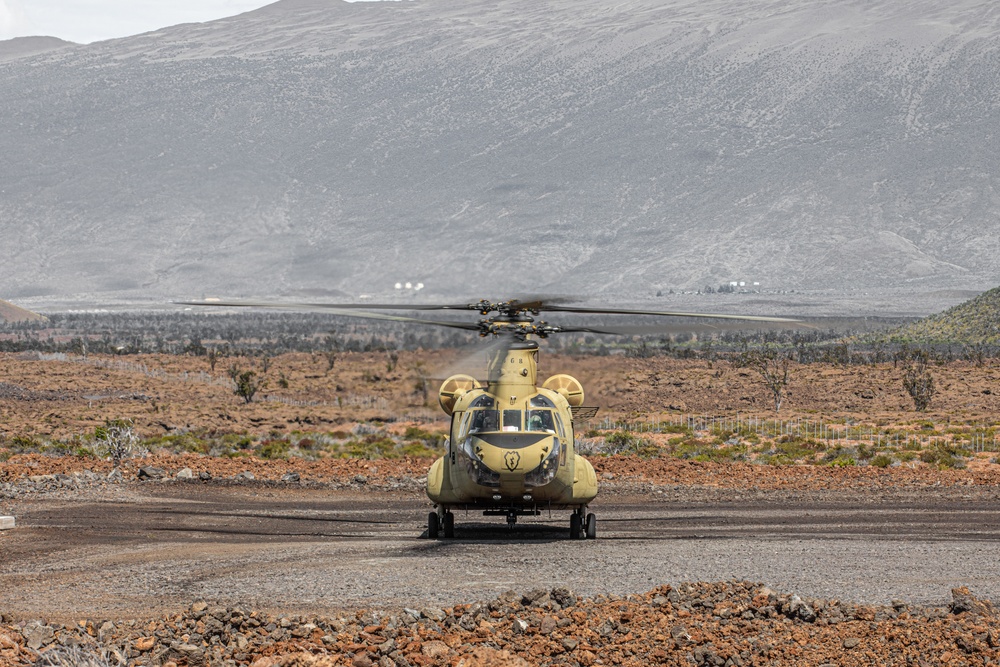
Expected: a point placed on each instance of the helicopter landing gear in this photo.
(582, 526)
(511, 519)
(440, 525)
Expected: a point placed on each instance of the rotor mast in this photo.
(513, 371)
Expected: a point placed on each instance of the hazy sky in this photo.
(87, 21)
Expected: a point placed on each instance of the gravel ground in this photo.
(136, 554)
(157, 546)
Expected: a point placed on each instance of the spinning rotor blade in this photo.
(302, 305)
(657, 329)
(332, 309)
(663, 313)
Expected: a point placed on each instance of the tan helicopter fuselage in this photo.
(511, 443)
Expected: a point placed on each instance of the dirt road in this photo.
(305, 551)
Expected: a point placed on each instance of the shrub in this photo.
(246, 383)
(843, 462)
(116, 440)
(371, 447)
(796, 448)
(23, 443)
(274, 449)
(184, 442)
(841, 457)
(420, 450)
(696, 451)
(623, 442)
(238, 441)
(881, 461)
(942, 456)
(919, 384)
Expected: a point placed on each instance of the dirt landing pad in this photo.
(309, 551)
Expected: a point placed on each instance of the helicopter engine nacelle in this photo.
(452, 389)
(568, 386)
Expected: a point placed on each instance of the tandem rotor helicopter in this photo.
(511, 448)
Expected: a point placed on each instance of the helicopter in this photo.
(511, 446)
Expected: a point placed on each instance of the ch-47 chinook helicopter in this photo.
(511, 444)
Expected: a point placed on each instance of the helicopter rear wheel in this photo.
(576, 526)
(448, 524)
(591, 527)
(432, 526)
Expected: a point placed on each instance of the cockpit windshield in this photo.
(488, 420)
(541, 420)
(484, 420)
(512, 420)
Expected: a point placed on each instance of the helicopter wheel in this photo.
(576, 526)
(591, 527)
(448, 524)
(432, 526)
(511, 520)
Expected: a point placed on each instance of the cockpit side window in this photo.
(463, 426)
(560, 427)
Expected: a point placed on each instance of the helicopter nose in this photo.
(512, 440)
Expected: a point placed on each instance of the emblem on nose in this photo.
(511, 459)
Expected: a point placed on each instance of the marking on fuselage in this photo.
(511, 459)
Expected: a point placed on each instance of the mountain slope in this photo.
(971, 322)
(11, 313)
(511, 145)
(22, 47)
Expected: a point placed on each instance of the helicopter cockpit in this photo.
(484, 417)
(485, 425)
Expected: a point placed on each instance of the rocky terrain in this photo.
(51, 403)
(30, 474)
(723, 624)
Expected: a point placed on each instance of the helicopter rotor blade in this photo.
(664, 313)
(673, 327)
(299, 305)
(331, 309)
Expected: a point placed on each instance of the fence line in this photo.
(980, 438)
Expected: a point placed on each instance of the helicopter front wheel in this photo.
(582, 526)
(432, 526)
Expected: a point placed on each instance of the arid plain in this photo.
(287, 540)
